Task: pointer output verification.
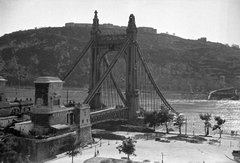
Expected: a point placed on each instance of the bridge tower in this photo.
(132, 96)
(94, 65)
(141, 91)
(100, 48)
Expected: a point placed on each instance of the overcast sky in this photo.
(218, 20)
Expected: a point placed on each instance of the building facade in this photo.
(50, 116)
(12, 108)
(49, 122)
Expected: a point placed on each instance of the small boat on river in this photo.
(224, 93)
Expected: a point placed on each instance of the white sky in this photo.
(218, 20)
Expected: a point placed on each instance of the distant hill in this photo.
(177, 64)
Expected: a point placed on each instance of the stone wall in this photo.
(86, 134)
(41, 149)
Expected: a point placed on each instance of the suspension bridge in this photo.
(121, 86)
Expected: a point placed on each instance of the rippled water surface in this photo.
(228, 110)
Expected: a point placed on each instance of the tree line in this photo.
(164, 117)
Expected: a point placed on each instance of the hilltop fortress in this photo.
(149, 30)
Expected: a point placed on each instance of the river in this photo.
(226, 109)
(191, 108)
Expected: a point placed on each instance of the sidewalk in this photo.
(229, 151)
(173, 152)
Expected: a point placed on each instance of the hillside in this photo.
(173, 61)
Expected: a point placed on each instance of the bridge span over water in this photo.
(109, 114)
(117, 65)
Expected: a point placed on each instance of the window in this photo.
(0, 98)
(57, 114)
(71, 118)
(82, 121)
(56, 102)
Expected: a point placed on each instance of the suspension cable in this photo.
(94, 90)
(114, 82)
(153, 82)
(80, 57)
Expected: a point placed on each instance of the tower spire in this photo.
(132, 29)
(95, 26)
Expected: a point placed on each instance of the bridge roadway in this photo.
(109, 114)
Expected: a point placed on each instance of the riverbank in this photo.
(174, 151)
(79, 94)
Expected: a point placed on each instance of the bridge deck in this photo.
(110, 114)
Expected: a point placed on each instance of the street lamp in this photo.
(95, 154)
(162, 157)
(116, 139)
(186, 126)
(194, 128)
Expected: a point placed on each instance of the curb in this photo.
(227, 154)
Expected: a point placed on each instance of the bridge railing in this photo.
(110, 114)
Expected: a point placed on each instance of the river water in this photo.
(226, 109)
(191, 108)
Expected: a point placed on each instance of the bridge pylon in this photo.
(132, 94)
(126, 47)
(141, 91)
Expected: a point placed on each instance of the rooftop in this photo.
(24, 122)
(8, 117)
(2, 79)
(48, 79)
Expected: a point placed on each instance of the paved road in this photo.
(173, 152)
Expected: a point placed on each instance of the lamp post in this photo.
(194, 128)
(162, 157)
(116, 139)
(186, 126)
(95, 154)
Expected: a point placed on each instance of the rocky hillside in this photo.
(176, 63)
